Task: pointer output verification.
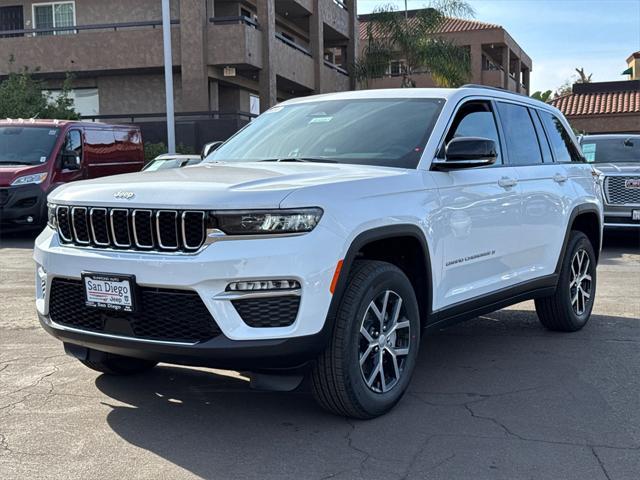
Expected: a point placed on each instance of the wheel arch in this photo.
(402, 245)
(586, 219)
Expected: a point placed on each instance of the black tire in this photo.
(337, 380)
(557, 312)
(112, 364)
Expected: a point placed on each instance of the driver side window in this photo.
(73, 142)
(475, 119)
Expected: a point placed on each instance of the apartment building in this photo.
(231, 58)
(496, 58)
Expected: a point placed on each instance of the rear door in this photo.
(546, 193)
(479, 221)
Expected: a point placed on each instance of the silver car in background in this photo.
(618, 158)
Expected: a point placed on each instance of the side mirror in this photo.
(70, 160)
(468, 152)
(209, 147)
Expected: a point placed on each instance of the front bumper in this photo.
(620, 216)
(23, 206)
(310, 259)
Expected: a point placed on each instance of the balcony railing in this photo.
(80, 28)
(335, 67)
(133, 117)
(341, 4)
(293, 45)
(234, 20)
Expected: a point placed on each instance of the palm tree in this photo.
(391, 35)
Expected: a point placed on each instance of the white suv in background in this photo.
(326, 238)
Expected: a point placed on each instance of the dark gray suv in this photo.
(618, 158)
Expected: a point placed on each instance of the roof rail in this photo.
(497, 89)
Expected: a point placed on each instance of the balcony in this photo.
(293, 62)
(334, 78)
(234, 41)
(132, 45)
(493, 78)
(336, 16)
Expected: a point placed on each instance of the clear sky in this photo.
(560, 35)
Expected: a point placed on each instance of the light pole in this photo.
(168, 75)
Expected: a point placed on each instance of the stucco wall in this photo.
(136, 94)
(89, 12)
(629, 123)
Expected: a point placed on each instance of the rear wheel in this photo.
(569, 308)
(112, 364)
(367, 367)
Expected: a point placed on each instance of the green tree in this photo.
(542, 96)
(390, 35)
(23, 96)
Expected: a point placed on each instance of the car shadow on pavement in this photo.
(472, 381)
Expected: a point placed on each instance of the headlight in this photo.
(52, 220)
(28, 179)
(262, 222)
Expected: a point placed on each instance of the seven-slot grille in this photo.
(132, 229)
(618, 193)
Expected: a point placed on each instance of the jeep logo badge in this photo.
(124, 195)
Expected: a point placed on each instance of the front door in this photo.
(479, 221)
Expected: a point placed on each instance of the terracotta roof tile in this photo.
(451, 25)
(598, 103)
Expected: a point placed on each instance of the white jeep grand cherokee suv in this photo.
(326, 238)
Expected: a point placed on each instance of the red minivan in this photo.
(38, 155)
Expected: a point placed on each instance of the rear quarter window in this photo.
(560, 141)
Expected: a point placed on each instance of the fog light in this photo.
(263, 285)
(29, 219)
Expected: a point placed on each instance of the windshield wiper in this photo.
(300, 159)
(16, 162)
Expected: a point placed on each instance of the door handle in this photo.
(559, 178)
(506, 182)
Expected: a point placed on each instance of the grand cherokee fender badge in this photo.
(124, 195)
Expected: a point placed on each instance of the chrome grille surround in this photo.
(145, 230)
(616, 192)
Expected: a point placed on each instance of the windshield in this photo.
(387, 132)
(614, 150)
(26, 145)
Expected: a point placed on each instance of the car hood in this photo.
(213, 186)
(8, 173)
(622, 167)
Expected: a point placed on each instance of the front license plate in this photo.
(113, 292)
(635, 215)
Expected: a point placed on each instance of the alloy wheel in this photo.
(580, 285)
(384, 342)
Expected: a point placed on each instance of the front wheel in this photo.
(569, 308)
(366, 369)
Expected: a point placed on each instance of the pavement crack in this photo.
(601, 463)
(350, 444)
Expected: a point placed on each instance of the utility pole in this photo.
(168, 75)
(406, 10)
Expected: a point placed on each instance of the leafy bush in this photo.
(152, 150)
(22, 96)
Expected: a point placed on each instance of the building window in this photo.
(86, 101)
(254, 104)
(54, 15)
(396, 68)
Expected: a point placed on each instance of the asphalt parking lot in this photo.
(497, 397)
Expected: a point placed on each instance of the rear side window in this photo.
(520, 135)
(563, 148)
(542, 137)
